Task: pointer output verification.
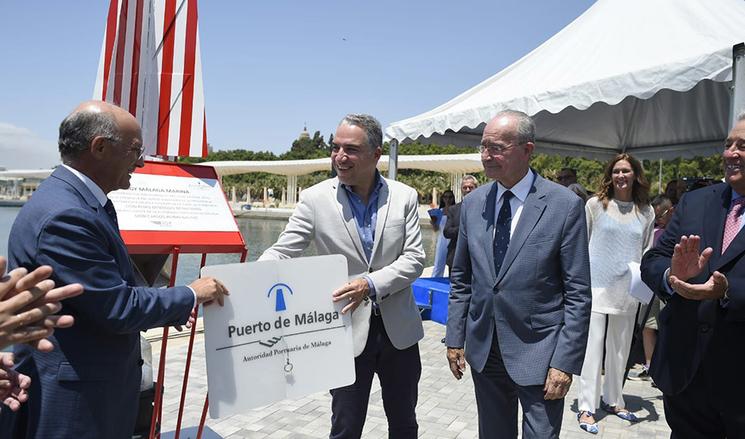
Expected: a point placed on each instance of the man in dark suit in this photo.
(700, 352)
(88, 386)
(450, 231)
(520, 288)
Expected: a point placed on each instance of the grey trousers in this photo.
(497, 396)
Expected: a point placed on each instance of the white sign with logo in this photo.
(279, 335)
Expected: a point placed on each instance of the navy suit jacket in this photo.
(88, 386)
(539, 301)
(692, 332)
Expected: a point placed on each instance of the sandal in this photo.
(591, 428)
(622, 413)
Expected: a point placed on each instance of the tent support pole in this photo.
(659, 182)
(738, 82)
(393, 160)
(455, 180)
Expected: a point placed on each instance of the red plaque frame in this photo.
(156, 242)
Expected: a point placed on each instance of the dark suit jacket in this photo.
(88, 386)
(539, 301)
(695, 332)
(450, 231)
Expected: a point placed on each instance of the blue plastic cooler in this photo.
(431, 296)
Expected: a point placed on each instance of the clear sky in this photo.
(272, 66)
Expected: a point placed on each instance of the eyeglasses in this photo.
(495, 148)
(738, 144)
(140, 150)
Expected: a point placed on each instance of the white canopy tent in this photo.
(649, 77)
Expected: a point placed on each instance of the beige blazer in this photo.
(324, 216)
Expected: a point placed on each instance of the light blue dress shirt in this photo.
(365, 217)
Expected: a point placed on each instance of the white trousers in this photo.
(617, 346)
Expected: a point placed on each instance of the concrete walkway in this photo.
(446, 409)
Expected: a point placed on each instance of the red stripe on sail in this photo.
(204, 134)
(135, 77)
(187, 88)
(120, 47)
(109, 45)
(164, 107)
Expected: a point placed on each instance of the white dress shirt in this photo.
(520, 192)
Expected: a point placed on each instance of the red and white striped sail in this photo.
(151, 65)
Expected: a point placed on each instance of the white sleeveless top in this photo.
(619, 234)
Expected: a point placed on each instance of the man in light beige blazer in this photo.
(374, 223)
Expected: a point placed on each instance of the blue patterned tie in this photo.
(502, 231)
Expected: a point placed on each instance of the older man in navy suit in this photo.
(698, 268)
(520, 288)
(88, 386)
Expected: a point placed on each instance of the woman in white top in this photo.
(620, 225)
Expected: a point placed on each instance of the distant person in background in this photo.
(579, 190)
(27, 302)
(450, 231)
(663, 211)
(620, 225)
(674, 190)
(567, 176)
(702, 182)
(447, 200)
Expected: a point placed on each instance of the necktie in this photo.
(732, 224)
(109, 208)
(502, 231)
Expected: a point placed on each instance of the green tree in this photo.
(589, 172)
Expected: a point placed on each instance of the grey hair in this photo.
(469, 177)
(525, 125)
(369, 124)
(79, 129)
(741, 116)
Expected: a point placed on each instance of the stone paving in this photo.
(446, 408)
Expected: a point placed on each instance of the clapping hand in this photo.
(687, 263)
(27, 302)
(13, 385)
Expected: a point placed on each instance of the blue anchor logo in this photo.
(279, 292)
